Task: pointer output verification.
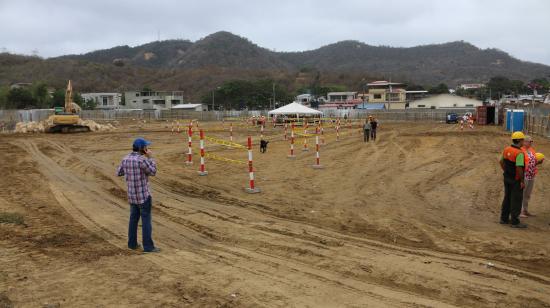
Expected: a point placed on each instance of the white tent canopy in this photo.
(295, 109)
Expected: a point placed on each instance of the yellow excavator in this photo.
(66, 119)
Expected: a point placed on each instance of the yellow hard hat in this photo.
(518, 135)
(539, 156)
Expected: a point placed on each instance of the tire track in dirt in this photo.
(94, 227)
(258, 213)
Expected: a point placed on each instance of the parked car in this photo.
(451, 118)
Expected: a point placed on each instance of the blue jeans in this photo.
(143, 211)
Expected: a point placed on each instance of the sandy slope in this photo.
(408, 221)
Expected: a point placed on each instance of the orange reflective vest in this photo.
(509, 155)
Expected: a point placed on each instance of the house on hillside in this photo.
(392, 94)
(415, 95)
(445, 101)
(104, 100)
(473, 86)
(152, 100)
(20, 85)
(341, 96)
(304, 99)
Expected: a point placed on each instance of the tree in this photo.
(88, 104)
(414, 87)
(242, 94)
(4, 97)
(501, 85)
(20, 98)
(58, 98)
(439, 89)
(40, 94)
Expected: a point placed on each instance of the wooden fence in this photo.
(537, 124)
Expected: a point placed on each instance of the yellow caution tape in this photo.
(228, 160)
(225, 143)
(304, 135)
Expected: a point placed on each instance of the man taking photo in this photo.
(136, 167)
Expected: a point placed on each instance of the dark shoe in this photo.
(135, 248)
(504, 222)
(519, 226)
(154, 250)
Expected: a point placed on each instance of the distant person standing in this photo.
(137, 167)
(366, 130)
(530, 173)
(374, 126)
(512, 163)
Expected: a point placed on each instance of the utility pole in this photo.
(213, 100)
(273, 100)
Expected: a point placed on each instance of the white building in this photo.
(304, 99)
(444, 101)
(104, 100)
(153, 100)
(341, 96)
(190, 107)
(467, 86)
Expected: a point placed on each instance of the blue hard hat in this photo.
(140, 143)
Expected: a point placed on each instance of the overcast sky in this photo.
(56, 27)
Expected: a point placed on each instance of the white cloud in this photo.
(56, 27)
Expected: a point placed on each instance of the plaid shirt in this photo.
(137, 169)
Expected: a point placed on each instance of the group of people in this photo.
(519, 163)
(369, 129)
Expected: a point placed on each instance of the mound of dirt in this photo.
(42, 126)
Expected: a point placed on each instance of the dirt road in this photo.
(408, 221)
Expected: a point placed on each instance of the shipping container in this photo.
(485, 115)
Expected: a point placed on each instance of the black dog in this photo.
(263, 146)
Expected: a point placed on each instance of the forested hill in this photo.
(197, 67)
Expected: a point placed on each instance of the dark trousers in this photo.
(373, 134)
(366, 135)
(144, 211)
(513, 199)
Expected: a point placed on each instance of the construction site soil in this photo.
(408, 221)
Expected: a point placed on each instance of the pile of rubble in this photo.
(30, 127)
(42, 126)
(95, 127)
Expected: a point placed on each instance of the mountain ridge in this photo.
(208, 62)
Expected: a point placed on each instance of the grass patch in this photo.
(11, 218)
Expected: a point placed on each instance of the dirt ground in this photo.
(408, 221)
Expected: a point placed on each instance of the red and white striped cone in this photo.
(317, 159)
(292, 142)
(305, 148)
(189, 143)
(231, 132)
(338, 132)
(461, 124)
(252, 189)
(178, 125)
(173, 127)
(202, 169)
